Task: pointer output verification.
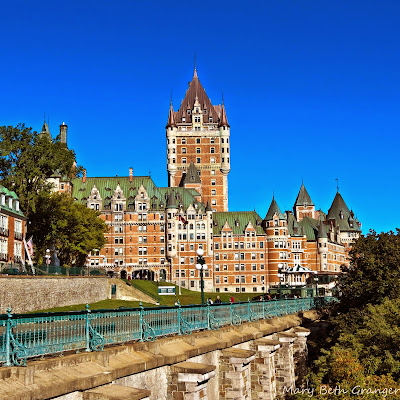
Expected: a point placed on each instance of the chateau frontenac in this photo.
(155, 231)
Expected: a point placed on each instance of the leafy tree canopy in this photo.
(28, 160)
(374, 271)
(74, 229)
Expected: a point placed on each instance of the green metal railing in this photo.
(25, 336)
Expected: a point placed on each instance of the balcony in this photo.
(3, 231)
(3, 257)
(17, 259)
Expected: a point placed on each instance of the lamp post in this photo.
(316, 283)
(201, 265)
(280, 276)
(47, 256)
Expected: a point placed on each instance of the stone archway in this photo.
(163, 275)
(123, 274)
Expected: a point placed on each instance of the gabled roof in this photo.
(171, 203)
(343, 216)
(303, 198)
(192, 175)
(196, 92)
(238, 221)
(273, 209)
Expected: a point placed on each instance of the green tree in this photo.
(374, 271)
(74, 229)
(28, 160)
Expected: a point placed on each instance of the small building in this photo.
(12, 230)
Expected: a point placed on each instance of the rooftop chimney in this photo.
(130, 174)
(84, 176)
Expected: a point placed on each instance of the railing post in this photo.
(179, 317)
(231, 311)
(141, 322)
(208, 315)
(248, 309)
(263, 307)
(8, 338)
(87, 328)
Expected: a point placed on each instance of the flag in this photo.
(29, 244)
(182, 219)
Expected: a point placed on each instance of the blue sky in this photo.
(311, 90)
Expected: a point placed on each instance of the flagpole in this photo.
(29, 257)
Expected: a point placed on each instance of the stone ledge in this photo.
(116, 392)
(189, 367)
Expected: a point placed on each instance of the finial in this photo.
(222, 97)
(302, 181)
(195, 67)
(337, 184)
(44, 116)
(171, 98)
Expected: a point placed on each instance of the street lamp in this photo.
(201, 265)
(280, 276)
(47, 256)
(316, 283)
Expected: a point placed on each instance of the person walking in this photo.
(209, 301)
(217, 300)
(232, 299)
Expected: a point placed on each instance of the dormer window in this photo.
(183, 119)
(3, 200)
(210, 119)
(17, 205)
(205, 111)
(188, 111)
(10, 203)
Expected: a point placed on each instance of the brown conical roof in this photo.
(171, 116)
(196, 92)
(224, 119)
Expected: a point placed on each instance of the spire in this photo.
(45, 130)
(208, 207)
(303, 198)
(194, 91)
(224, 119)
(171, 116)
(274, 209)
(322, 231)
(171, 203)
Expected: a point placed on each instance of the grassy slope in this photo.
(150, 288)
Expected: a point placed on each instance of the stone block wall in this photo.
(28, 294)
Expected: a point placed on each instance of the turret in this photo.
(171, 131)
(209, 226)
(63, 133)
(322, 240)
(45, 131)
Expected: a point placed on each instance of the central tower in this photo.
(199, 133)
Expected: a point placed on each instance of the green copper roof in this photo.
(158, 195)
(238, 221)
(274, 209)
(303, 198)
(343, 216)
(13, 195)
(309, 227)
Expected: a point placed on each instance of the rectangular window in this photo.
(198, 160)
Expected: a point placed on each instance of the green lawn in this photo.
(186, 297)
(150, 288)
